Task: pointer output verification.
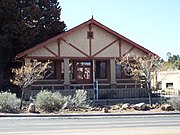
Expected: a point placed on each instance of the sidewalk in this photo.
(84, 115)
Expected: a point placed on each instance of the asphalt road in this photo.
(134, 125)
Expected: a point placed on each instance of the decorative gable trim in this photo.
(89, 22)
(106, 47)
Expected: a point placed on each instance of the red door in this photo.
(84, 72)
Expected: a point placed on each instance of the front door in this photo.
(84, 72)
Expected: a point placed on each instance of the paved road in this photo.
(135, 125)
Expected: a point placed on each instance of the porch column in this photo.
(113, 73)
(66, 73)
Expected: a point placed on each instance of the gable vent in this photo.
(90, 35)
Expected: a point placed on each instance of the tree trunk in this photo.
(1, 68)
(150, 97)
(149, 92)
(22, 98)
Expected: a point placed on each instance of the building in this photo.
(83, 55)
(168, 81)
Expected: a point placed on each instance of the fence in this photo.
(102, 93)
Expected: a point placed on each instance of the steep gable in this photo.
(75, 43)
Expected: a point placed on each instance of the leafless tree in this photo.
(141, 69)
(28, 74)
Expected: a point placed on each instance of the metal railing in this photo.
(108, 93)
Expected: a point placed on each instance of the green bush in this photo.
(175, 102)
(80, 99)
(49, 101)
(53, 101)
(9, 102)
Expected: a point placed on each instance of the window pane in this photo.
(83, 63)
(87, 71)
(101, 69)
(62, 70)
(50, 73)
(118, 71)
(169, 85)
(79, 72)
(71, 71)
(121, 72)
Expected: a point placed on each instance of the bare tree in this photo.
(140, 68)
(28, 74)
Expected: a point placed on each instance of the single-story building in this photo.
(167, 81)
(83, 55)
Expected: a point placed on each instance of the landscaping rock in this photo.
(105, 110)
(115, 107)
(154, 106)
(68, 105)
(140, 107)
(32, 108)
(96, 109)
(167, 107)
(125, 106)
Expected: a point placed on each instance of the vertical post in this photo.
(94, 70)
(113, 73)
(95, 82)
(66, 73)
(96, 90)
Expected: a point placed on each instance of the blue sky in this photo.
(154, 24)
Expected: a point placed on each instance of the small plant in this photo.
(8, 102)
(49, 101)
(175, 102)
(80, 98)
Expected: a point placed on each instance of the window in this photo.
(90, 35)
(71, 70)
(87, 63)
(121, 72)
(62, 70)
(169, 85)
(118, 71)
(50, 73)
(101, 69)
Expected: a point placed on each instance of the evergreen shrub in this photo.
(80, 99)
(53, 101)
(9, 103)
(50, 101)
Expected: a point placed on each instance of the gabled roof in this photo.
(91, 21)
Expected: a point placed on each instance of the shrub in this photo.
(175, 102)
(80, 99)
(53, 101)
(9, 102)
(49, 101)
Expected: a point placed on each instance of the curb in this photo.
(88, 115)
